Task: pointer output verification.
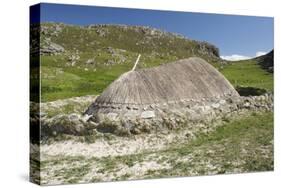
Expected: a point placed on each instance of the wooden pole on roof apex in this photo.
(136, 63)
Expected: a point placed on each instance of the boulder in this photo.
(51, 48)
(90, 61)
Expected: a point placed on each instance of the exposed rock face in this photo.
(208, 49)
(47, 46)
(51, 48)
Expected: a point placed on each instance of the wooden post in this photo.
(136, 63)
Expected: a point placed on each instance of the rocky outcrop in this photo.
(208, 49)
(51, 48)
(47, 32)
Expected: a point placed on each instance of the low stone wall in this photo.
(174, 115)
(192, 115)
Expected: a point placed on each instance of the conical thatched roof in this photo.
(188, 79)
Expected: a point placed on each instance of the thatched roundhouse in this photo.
(147, 93)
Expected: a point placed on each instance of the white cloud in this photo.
(260, 53)
(236, 57)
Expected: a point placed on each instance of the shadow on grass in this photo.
(250, 91)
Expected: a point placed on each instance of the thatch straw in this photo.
(191, 79)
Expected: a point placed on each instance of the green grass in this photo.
(242, 144)
(248, 73)
(60, 80)
(236, 145)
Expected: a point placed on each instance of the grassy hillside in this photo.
(77, 61)
(94, 56)
(248, 73)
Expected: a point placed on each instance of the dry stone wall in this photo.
(124, 121)
(173, 115)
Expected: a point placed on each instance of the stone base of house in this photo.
(174, 115)
(192, 115)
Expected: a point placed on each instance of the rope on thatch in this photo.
(136, 62)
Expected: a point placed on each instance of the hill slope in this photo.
(83, 60)
(78, 60)
(104, 40)
(253, 73)
(267, 61)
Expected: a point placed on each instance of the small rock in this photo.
(112, 116)
(207, 108)
(247, 104)
(73, 117)
(86, 117)
(262, 98)
(135, 131)
(93, 124)
(90, 61)
(216, 105)
(51, 48)
(110, 62)
(222, 101)
(147, 114)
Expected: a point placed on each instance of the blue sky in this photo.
(243, 36)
